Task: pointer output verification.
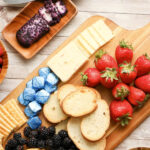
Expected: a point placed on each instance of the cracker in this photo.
(1, 147)
(4, 123)
(1, 138)
(4, 130)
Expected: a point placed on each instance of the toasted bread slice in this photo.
(61, 126)
(64, 91)
(80, 103)
(52, 110)
(74, 132)
(95, 125)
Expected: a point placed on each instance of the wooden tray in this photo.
(30, 10)
(141, 41)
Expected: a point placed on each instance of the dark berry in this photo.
(56, 140)
(22, 141)
(43, 132)
(7, 147)
(63, 134)
(41, 144)
(51, 130)
(73, 147)
(49, 143)
(12, 143)
(32, 142)
(67, 142)
(17, 136)
(34, 134)
(27, 131)
(61, 148)
(19, 147)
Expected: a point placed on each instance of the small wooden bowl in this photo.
(5, 64)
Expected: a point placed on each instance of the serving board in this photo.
(9, 32)
(140, 39)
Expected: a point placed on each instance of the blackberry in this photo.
(43, 132)
(41, 144)
(56, 140)
(27, 131)
(22, 141)
(67, 142)
(34, 134)
(49, 143)
(19, 147)
(73, 147)
(12, 143)
(61, 148)
(7, 147)
(32, 142)
(51, 131)
(63, 134)
(17, 136)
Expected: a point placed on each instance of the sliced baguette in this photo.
(95, 125)
(52, 110)
(80, 103)
(64, 91)
(74, 132)
(61, 126)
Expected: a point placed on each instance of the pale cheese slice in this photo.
(96, 36)
(90, 40)
(66, 62)
(103, 30)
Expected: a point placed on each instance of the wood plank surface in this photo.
(130, 14)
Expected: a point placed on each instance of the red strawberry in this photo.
(124, 52)
(104, 61)
(91, 77)
(120, 91)
(121, 111)
(143, 83)
(127, 73)
(143, 65)
(1, 61)
(0, 70)
(1, 52)
(109, 77)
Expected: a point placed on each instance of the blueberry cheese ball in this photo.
(32, 31)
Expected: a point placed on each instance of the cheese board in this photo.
(140, 40)
(9, 32)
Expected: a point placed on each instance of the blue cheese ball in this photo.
(42, 96)
(29, 94)
(49, 88)
(38, 83)
(29, 113)
(29, 84)
(34, 122)
(22, 101)
(35, 106)
(43, 72)
(52, 79)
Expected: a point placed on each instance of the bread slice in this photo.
(74, 132)
(52, 110)
(61, 126)
(95, 125)
(64, 91)
(80, 103)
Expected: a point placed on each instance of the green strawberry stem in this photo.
(141, 104)
(127, 68)
(124, 120)
(146, 55)
(84, 78)
(99, 54)
(124, 44)
(122, 93)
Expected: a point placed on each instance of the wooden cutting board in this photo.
(140, 39)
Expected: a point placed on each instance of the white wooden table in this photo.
(130, 14)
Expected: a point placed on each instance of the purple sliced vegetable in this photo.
(61, 7)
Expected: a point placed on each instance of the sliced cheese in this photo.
(66, 62)
(103, 30)
(96, 36)
(90, 40)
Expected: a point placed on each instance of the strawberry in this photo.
(120, 91)
(143, 83)
(109, 77)
(91, 77)
(124, 52)
(143, 65)
(127, 73)
(121, 111)
(104, 61)
(1, 61)
(136, 96)
(1, 52)
(0, 70)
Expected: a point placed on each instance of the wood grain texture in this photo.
(9, 32)
(140, 44)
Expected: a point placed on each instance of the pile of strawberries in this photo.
(1, 58)
(130, 83)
